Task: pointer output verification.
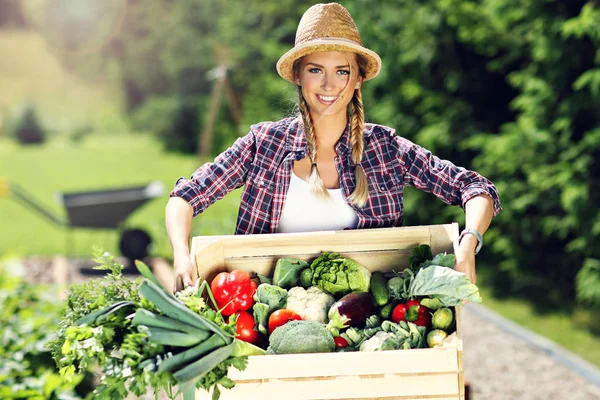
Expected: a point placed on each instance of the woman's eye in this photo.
(314, 70)
(344, 72)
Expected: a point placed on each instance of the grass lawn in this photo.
(97, 163)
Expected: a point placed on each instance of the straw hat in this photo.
(327, 27)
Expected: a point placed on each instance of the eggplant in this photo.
(353, 308)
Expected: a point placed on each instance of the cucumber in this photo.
(379, 289)
(386, 311)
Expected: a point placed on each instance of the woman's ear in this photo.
(358, 83)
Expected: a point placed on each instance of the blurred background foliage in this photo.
(510, 89)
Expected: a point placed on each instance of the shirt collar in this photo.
(296, 141)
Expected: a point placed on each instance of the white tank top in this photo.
(303, 211)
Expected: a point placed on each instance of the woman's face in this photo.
(326, 81)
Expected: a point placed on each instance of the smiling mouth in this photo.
(327, 99)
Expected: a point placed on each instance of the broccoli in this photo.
(301, 337)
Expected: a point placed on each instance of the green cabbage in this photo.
(449, 286)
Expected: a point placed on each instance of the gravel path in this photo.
(500, 366)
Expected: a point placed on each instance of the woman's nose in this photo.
(326, 84)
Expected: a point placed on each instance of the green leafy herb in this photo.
(29, 316)
(144, 338)
(418, 256)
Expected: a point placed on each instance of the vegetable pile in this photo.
(142, 337)
(336, 304)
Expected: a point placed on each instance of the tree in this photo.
(509, 89)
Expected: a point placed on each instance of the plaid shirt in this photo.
(263, 161)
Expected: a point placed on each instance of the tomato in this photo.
(399, 313)
(244, 327)
(340, 342)
(281, 317)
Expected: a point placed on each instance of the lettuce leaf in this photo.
(338, 275)
(443, 283)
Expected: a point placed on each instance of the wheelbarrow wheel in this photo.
(134, 244)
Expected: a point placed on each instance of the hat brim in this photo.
(286, 62)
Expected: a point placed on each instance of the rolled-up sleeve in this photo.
(452, 184)
(213, 180)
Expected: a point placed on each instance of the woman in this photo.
(326, 169)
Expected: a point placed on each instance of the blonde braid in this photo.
(361, 192)
(314, 179)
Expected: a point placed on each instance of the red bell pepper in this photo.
(412, 311)
(233, 291)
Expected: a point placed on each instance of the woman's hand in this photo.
(178, 218)
(183, 271)
(465, 257)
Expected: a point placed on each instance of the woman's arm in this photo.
(178, 218)
(190, 197)
(479, 211)
(453, 185)
(450, 183)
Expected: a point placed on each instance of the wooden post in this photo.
(219, 76)
(233, 104)
(206, 138)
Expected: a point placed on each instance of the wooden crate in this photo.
(432, 374)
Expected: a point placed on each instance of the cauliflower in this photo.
(311, 304)
(301, 337)
(381, 341)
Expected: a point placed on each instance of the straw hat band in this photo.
(329, 40)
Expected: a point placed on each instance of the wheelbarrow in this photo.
(105, 209)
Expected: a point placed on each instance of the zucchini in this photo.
(386, 311)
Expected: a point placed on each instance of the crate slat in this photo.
(351, 363)
(385, 258)
(442, 386)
